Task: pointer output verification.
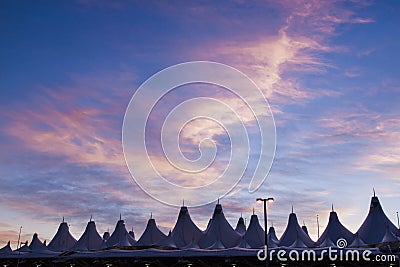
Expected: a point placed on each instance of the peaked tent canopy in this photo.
(240, 226)
(373, 229)
(36, 244)
(272, 238)
(389, 237)
(305, 229)
(90, 239)
(63, 240)
(334, 231)
(24, 248)
(185, 231)
(120, 237)
(357, 242)
(294, 236)
(6, 249)
(132, 234)
(255, 233)
(220, 233)
(151, 235)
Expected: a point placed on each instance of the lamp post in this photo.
(265, 200)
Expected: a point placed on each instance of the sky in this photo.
(68, 69)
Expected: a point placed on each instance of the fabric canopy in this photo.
(220, 233)
(90, 239)
(63, 240)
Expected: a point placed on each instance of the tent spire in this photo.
(183, 202)
(241, 215)
(253, 210)
(332, 208)
(218, 201)
(120, 216)
(151, 215)
(292, 208)
(90, 218)
(373, 189)
(63, 219)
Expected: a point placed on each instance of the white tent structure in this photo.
(255, 233)
(304, 227)
(240, 226)
(334, 231)
(373, 229)
(6, 249)
(24, 248)
(132, 234)
(62, 240)
(120, 237)
(36, 244)
(185, 232)
(151, 235)
(220, 233)
(389, 236)
(294, 236)
(357, 242)
(90, 239)
(272, 238)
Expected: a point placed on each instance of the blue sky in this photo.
(330, 71)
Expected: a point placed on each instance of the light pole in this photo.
(265, 200)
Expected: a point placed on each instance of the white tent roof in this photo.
(373, 229)
(255, 233)
(389, 237)
(220, 233)
(120, 237)
(151, 235)
(243, 243)
(24, 248)
(90, 239)
(132, 234)
(305, 229)
(63, 240)
(185, 231)
(167, 242)
(6, 249)
(272, 238)
(334, 231)
(36, 244)
(240, 226)
(357, 242)
(295, 236)
(327, 242)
